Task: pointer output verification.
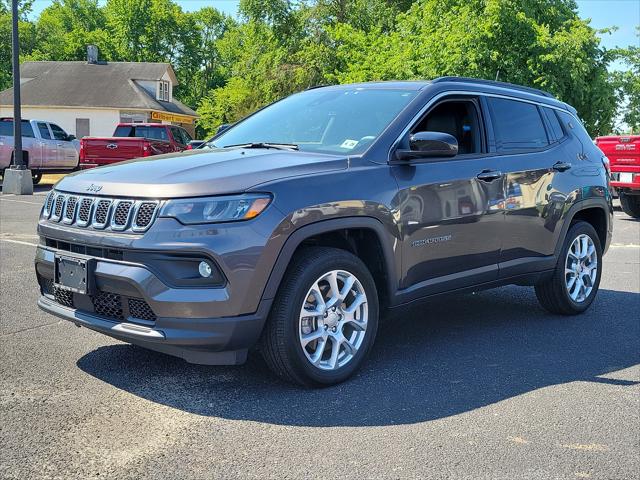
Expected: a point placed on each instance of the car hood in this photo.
(198, 173)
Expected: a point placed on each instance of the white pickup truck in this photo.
(48, 148)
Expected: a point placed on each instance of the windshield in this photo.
(324, 120)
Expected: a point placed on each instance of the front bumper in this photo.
(207, 341)
(207, 325)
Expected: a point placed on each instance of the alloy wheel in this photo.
(333, 320)
(581, 268)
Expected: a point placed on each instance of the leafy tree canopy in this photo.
(228, 68)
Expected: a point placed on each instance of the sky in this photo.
(623, 14)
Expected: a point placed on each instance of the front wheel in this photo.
(576, 278)
(630, 204)
(324, 318)
(36, 177)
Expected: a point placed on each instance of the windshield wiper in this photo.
(277, 146)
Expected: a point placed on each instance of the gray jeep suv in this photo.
(296, 227)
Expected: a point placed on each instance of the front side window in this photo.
(58, 133)
(458, 118)
(517, 125)
(339, 121)
(44, 131)
(156, 133)
(178, 136)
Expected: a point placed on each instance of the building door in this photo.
(83, 127)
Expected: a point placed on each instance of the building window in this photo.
(163, 91)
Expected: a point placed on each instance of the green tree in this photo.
(26, 31)
(628, 82)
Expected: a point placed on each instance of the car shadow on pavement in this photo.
(437, 359)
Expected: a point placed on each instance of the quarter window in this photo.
(554, 123)
(517, 125)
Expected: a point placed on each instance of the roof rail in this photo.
(494, 83)
(322, 85)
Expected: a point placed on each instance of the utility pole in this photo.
(17, 179)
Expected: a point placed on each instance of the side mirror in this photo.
(426, 145)
(71, 138)
(223, 127)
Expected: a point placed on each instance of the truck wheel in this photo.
(36, 177)
(630, 204)
(576, 278)
(323, 320)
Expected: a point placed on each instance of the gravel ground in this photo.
(486, 385)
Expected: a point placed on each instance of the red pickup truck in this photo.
(132, 140)
(623, 152)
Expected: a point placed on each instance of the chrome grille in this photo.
(57, 209)
(121, 213)
(101, 213)
(49, 203)
(144, 215)
(70, 210)
(84, 212)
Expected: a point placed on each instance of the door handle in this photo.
(59, 144)
(561, 166)
(489, 175)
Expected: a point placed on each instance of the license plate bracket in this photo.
(74, 273)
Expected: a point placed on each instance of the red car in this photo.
(132, 140)
(624, 157)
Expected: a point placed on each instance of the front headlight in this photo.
(234, 208)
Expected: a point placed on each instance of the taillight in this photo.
(82, 154)
(146, 149)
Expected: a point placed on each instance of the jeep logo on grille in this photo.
(94, 188)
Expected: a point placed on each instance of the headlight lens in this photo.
(215, 209)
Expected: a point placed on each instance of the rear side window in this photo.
(554, 123)
(44, 131)
(6, 128)
(517, 125)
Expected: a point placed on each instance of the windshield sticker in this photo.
(349, 144)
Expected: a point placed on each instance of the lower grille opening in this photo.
(106, 304)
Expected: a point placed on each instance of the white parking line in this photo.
(19, 242)
(624, 245)
(20, 201)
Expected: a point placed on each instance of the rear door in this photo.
(537, 167)
(449, 208)
(66, 150)
(48, 146)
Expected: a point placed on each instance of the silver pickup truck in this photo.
(49, 149)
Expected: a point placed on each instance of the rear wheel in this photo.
(630, 204)
(576, 278)
(324, 319)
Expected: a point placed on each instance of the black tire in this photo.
(552, 293)
(280, 344)
(36, 177)
(630, 204)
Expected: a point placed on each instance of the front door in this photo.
(66, 151)
(450, 208)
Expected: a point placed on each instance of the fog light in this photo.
(205, 269)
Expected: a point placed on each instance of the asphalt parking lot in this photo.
(483, 385)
